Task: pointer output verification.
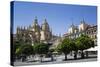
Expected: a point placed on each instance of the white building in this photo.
(83, 28)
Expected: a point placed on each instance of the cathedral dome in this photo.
(45, 26)
(35, 25)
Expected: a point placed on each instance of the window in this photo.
(87, 33)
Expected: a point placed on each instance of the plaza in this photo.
(57, 60)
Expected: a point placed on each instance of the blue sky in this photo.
(59, 16)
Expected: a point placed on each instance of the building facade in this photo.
(35, 33)
(83, 28)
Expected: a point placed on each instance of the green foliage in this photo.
(25, 50)
(64, 47)
(51, 50)
(81, 43)
(41, 48)
(18, 52)
(84, 42)
(16, 45)
(73, 45)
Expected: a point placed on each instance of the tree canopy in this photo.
(41, 48)
(84, 42)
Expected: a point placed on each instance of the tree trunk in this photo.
(82, 54)
(33, 57)
(71, 53)
(52, 58)
(65, 56)
(86, 54)
(41, 58)
(75, 55)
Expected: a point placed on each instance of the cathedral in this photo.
(35, 33)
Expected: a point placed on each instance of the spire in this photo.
(35, 20)
(72, 22)
(35, 23)
(18, 28)
(36, 26)
(45, 25)
(82, 21)
(35, 17)
(29, 27)
(45, 21)
(24, 28)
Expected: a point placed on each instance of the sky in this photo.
(59, 16)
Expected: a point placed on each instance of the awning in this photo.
(92, 49)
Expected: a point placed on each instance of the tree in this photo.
(18, 52)
(84, 42)
(25, 50)
(41, 48)
(51, 53)
(16, 44)
(74, 48)
(65, 47)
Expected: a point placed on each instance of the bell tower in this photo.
(45, 31)
(36, 29)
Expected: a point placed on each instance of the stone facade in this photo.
(84, 28)
(35, 33)
(92, 33)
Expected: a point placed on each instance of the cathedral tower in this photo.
(83, 26)
(45, 31)
(36, 29)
